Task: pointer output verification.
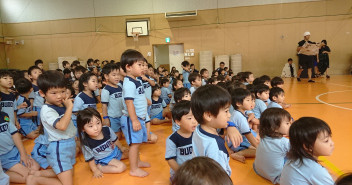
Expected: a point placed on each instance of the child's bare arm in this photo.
(29, 114)
(104, 109)
(254, 142)
(132, 114)
(234, 136)
(173, 164)
(66, 119)
(119, 145)
(18, 143)
(96, 172)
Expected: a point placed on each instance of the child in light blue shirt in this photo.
(166, 94)
(277, 97)
(195, 80)
(262, 95)
(158, 113)
(182, 93)
(36, 100)
(185, 73)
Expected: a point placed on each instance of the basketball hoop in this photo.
(135, 36)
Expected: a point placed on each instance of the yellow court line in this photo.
(331, 166)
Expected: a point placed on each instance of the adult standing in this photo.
(324, 62)
(305, 61)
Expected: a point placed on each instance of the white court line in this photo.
(340, 85)
(321, 101)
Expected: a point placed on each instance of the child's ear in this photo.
(274, 98)
(106, 76)
(41, 93)
(238, 104)
(178, 122)
(207, 116)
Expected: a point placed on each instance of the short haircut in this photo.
(260, 89)
(179, 93)
(129, 57)
(209, 98)
(51, 79)
(345, 179)
(325, 42)
(222, 84)
(201, 170)
(69, 86)
(108, 68)
(276, 81)
(303, 134)
(37, 62)
(180, 109)
(264, 78)
(150, 66)
(185, 63)
(163, 81)
(275, 91)
(211, 80)
(222, 63)
(80, 69)
(289, 59)
(192, 65)
(238, 95)
(270, 120)
(64, 63)
(174, 83)
(220, 78)
(67, 71)
(193, 77)
(89, 61)
(30, 69)
(245, 75)
(5, 73)
(84, 79)
(23, 85)
(202, 71)
(154, 88)
(76, 62)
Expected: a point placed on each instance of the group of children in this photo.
(59, 110)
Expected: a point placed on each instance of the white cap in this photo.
(306, 33)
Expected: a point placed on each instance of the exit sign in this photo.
(167, 39)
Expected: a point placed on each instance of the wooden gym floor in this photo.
(327, 99)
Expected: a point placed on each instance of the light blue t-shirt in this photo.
(273, 104)
(21, 111)
(49, 116)
(307, 173)
(157, 107)
(164, 94)
(134, 90)
(9, 105)
(147, 87)
(192, 89)
(185, 75)
(7, 129)
(38, 100)
(175, 126)
(259, 108)
(99, 149)
(241, 122)
(212, 146)
(82, 101)
(270, 158)
(178, 148)
(204, 82)
(112, 97)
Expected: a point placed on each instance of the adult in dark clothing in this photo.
(324, 62)
(305, 61)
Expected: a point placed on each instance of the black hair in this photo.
(129, 57)
(303, 134)
(275, 91)
(109, 67)
(83, 117)
(220, 78)
(51, 79)
(150, 66)
(264, 78)
(251, 88)
(30, 69)
(192, 65)
(174, 83)
(260, 89)
(211, 80)
(154, 88)
(64, 63)
(193, 76)
(84, 79)
(222, 84)
(165, 70)
(23, 85)
(209, 98)
(37, 62)
(5, 73)
(276, 81)
(238, 95)
(180, 109)
(89, 61)
(289, 59)
(179, 93)
(76, 62)
(201, 170)
(69, 87)
(345, 179)
(270, 120)
(324, 41)
(80, 68)
(245, 75)
(163, 81)
(202, 71)
(185, 63)
(67, 71)
(222, 63)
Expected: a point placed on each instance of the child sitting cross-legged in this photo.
(179, 143)
(242, 101)
(158, 112)
(165, 91)
(262, 95)
(100, 145)
(182, 93)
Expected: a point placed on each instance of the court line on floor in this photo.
(331, 92)
(318, 103)
(340, 85)
(331, 166)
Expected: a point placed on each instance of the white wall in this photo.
(15, 11)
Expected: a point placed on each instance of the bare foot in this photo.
(239, 158)
(139, 173)
(142, 164)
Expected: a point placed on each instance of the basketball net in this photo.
(135, 36)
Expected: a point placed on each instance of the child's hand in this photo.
(23, 105)
(136, 126)
(144, 78)
(234, 136)
(18, 126)
(27, 161)
(106, 122)
(124, 149)
(149, 136)
(97, 173)
(68, 102)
